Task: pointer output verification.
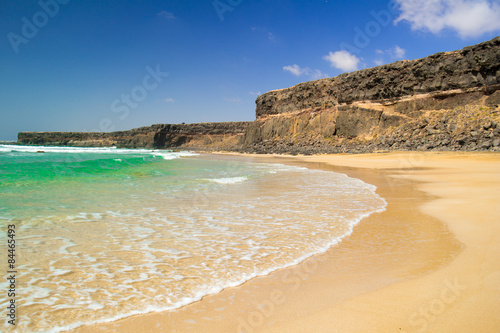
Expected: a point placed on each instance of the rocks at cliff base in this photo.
(468, 128)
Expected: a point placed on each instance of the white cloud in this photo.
(169, 100)
(255, 93)
(469, 18)
(398, 52)
(261, 32)
(166, 15)
(296, 70)
(316, 74)
(343, 60)
(379, 62)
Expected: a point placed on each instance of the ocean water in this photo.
(103, 233)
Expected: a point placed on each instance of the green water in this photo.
(101, 233)
(37, 184)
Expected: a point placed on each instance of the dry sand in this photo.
(429, 263)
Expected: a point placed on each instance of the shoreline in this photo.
(360, 284)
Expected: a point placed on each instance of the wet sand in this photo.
(429, 263)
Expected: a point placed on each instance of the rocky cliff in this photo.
(447, 101)
(472, 67)
(140, 137)
(206, 136)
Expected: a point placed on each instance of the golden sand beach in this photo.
(429, 263)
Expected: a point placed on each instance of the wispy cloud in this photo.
(296, 70)
(395, 53)
(398, 52)
(255, 93)
(167, 15)
(263, 32)
(169, 100)
(343, 60)
(468, 18)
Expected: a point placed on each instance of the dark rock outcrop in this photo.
(210, 136)
(472, 67)
(136, 138)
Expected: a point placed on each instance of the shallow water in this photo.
(107, 233)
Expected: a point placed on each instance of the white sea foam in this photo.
(165, 154)
(228, 180)
(273, 168)
(51, 149)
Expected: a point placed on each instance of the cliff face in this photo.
(472, 67)
(437, 102)
(140, 137)
(208, 136)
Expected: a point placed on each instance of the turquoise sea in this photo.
(104, 233)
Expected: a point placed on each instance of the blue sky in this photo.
(69, 65)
